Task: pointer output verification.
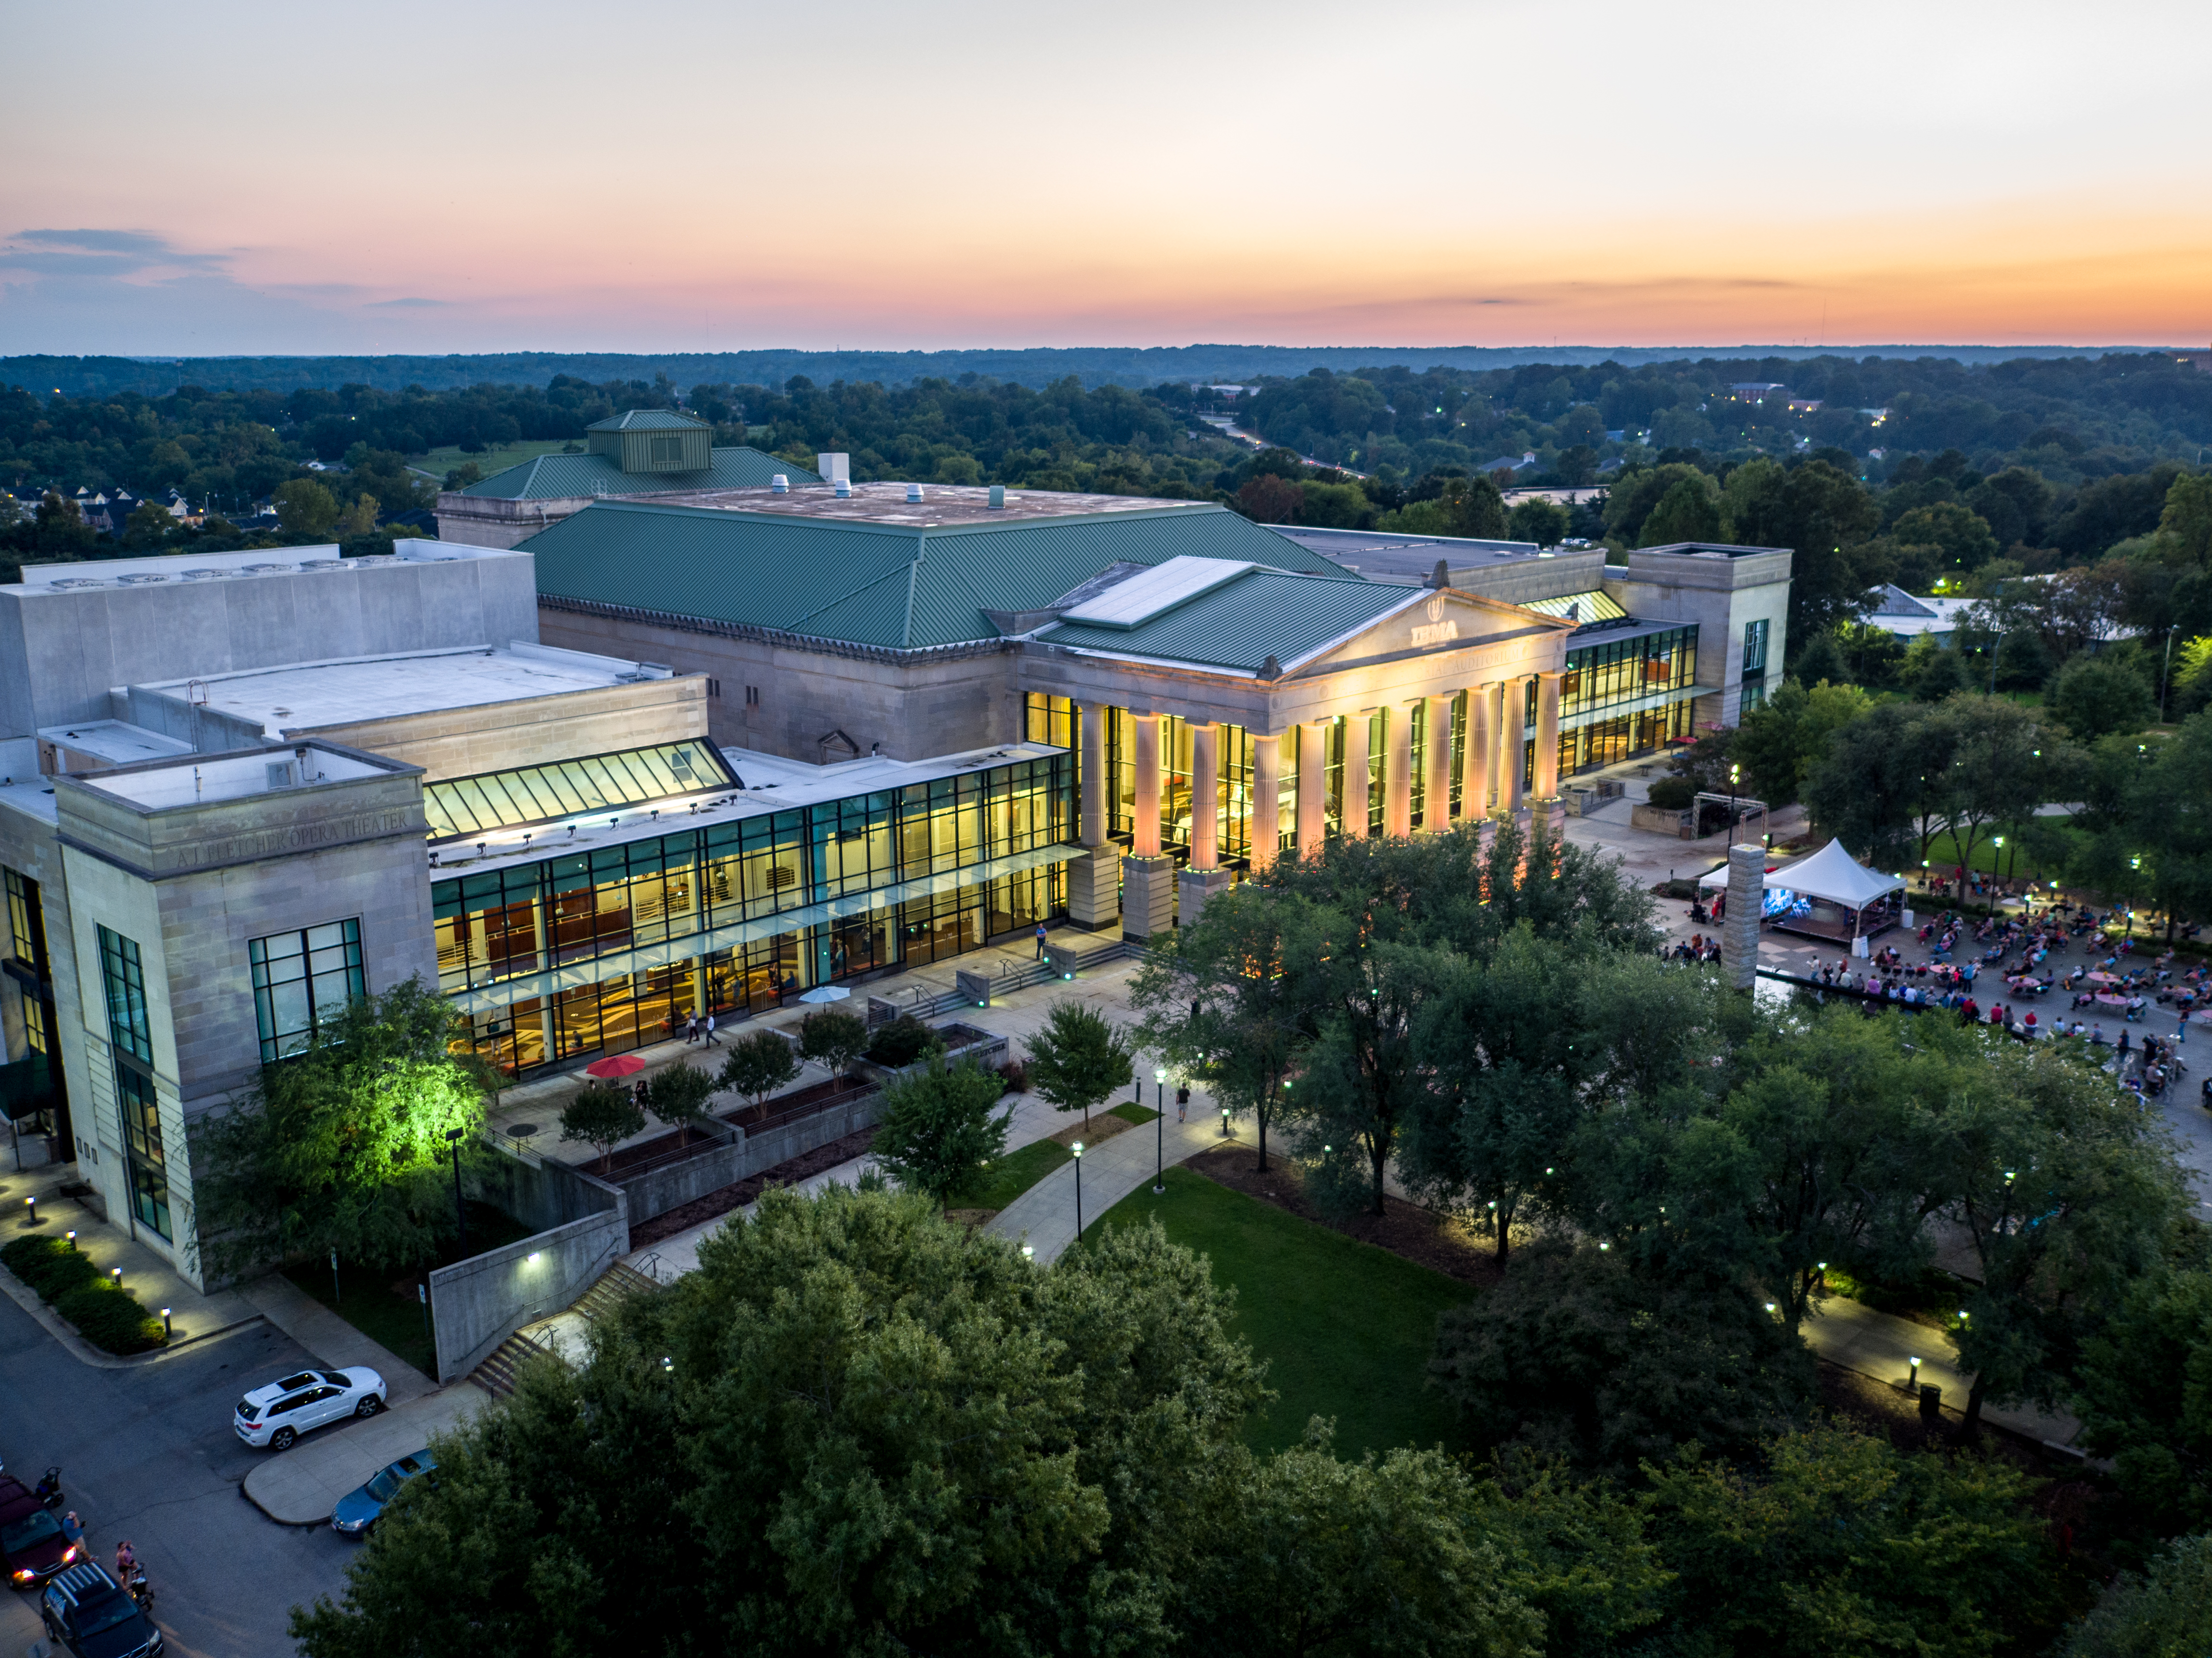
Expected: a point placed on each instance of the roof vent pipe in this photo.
(844, 488)
(913, 492)
(780, 485)
(998, 496)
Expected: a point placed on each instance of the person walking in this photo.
(711, 1042)
(1040, 938)
(691, 1029)
(1182, 1103)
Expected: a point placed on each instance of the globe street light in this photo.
(1077, 1149)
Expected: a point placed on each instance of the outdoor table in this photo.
(2104, 1000)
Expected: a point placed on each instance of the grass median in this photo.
(1346, 1328)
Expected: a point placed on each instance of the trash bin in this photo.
(1931, 1400)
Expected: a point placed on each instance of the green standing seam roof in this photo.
(1241, 623)
(563, 788)
(894, 587)
(648, 420)
(551, 477)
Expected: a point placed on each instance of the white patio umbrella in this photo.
(826, 994)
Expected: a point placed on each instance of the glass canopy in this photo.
(539, 794)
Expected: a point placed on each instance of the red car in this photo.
(33, 1545)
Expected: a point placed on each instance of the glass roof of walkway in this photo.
(537, 794)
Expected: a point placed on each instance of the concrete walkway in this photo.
(1044, 1216)
(302, 1486)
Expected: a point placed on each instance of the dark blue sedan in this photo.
(357, 1510)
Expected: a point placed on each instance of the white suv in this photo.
(277, 1415)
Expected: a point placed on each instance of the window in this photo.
(752, 696)
(714, 689)
(1754, 650)
(1755, 696)
(300, 981)
(124, 978)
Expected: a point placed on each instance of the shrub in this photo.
(51, 1266)
(903, 1041)
(1016, 1076)
(1673, 794)
(110, 1318)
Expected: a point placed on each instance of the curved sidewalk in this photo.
(1044, 1216)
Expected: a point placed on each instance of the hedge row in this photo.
(103, 1312)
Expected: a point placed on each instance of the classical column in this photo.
(1398, 771)
(1547, 735)
(1144, 839)
(1094, 880)
(1352, 809)
(1205, 795)
(1267, 828)
(1094, 773)
(1313, 786)
(1436, 768)
(1481, 758)
(1512, 736)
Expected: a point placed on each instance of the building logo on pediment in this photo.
(1436, 630)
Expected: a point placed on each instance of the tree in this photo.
(343, 1146)
(2003, 766)
(1780, 744)
(833, 1039)
(2184, 523)
(678, 1095)
(758, 1065)
(1932, 669)
(1222, 1003)
(1820, 661)
(939, 1125)
(2143, 1391)
(602, 1115)
(1270, 500)
(855, 1429)
(1079, 1058)
(1576, 1354)
(304, 508)
(2161, 1614)
(1867, 790)
(1364, 1560)
(1537, 519)
(358, 520)
(1961, 539)
(1854, 1547)
(148, 526)
(1687, 512)
(2094, 698)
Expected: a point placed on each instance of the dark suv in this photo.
(87, 1614)
(32, 1543)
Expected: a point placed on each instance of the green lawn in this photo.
(2010, 861)
(1015, 1172)
(442, 461)
(364, 1296)
(1346, 1328)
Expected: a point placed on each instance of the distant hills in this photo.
(1037, 367)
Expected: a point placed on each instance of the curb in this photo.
(84, 1353)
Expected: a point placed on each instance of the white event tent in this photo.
(1831, 895)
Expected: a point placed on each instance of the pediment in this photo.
(1431, 621)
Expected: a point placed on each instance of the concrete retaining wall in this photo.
(717, 1161)
(476, 1304)
(659, 1190)
(541, 1192)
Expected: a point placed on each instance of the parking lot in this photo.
(147, 1453)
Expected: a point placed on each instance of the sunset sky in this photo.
(245, 178)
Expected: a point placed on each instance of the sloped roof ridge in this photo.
(797, 622)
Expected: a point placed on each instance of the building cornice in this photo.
(778, 637)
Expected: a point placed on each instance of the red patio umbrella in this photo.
(619, 1064)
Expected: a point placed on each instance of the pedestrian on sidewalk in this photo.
(1040, 938)
(711, 1042)
(1183, 1104)
(691, 1029)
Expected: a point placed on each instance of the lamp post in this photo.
(1160, 1134)
(1077, 1149)
(1734, 772)
(453, 1138)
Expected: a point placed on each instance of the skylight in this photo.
(1153, 592)
(537, 794)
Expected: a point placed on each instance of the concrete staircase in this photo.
(496, 1374)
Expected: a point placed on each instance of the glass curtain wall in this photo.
(1605, 675)
(596, 907)
(131, 1042)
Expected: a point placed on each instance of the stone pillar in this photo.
(1094, 880)
(1547, 735)
(1145, 837)
(1313, 786)
(1093, 763)
(1398, 771)
(1205, 795)
(1747, 888)
(1352, 810)
(1512, 736)
(1481, 757)
(1436, 768)
(1266, 827)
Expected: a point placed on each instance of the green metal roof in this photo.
(647, 420)
(549, 476)
(896, 586)
(1240, 623)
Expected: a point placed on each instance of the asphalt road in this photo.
(148, 1453)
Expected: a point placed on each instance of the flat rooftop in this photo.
(306, 695)
(887, 503)
(772, 784)
(288, 561)
(116, 741)
(1383, 557)
(194, 782)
